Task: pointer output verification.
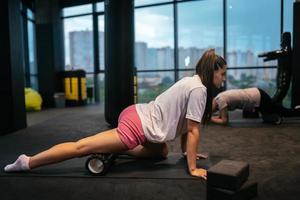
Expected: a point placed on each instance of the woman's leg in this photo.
(268, 109)
(266, 103)
(104, 142)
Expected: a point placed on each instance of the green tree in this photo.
(152, 92)
(245, 81)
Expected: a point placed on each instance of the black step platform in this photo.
(246, 192)
(128, 179)
(228, 174)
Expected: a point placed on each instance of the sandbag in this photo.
(33, 100)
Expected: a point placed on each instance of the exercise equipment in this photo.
(247, 191)
(296, 55)
(228, 180)
(228, 174)
(99, 164)
(284, 73)
(75, 87)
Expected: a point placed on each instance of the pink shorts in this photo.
(130, 128)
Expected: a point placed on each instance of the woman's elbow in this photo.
(224, 121)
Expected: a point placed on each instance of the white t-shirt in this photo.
(165, 118)
(238, 99)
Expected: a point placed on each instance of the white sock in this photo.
(21, 164)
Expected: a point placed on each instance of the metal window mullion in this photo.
(96, 53)
(176, 67)
(281, 17)
(26, 52)
(79, 15)
(153, 5)
(164, 3)
(252, 67)
(95, 41)
(225, 35)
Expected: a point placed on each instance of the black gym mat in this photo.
(174, 167)
(272, 151)
(236, 120)
(128, 178)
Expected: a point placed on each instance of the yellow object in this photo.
(33, 100)
(72, 90)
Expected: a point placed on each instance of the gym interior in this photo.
(69, 67)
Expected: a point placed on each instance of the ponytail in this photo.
(208, 63)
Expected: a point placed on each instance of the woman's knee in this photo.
(156, 149)
(81, 148)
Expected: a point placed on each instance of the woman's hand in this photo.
(199, 172)
(218, 120)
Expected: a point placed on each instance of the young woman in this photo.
(250, 99)
(144, 129)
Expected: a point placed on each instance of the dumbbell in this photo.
(99, 164)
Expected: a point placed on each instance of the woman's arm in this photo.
(222, 118)
(183, 143)
(193, 138)
(183, 148)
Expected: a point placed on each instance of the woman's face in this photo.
(219, 76)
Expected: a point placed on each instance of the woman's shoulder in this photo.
(192, 82)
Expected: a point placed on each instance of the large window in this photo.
(101, 41)
(154, 47)
(288, 15)
(288, 27)
(252, 29)
(30, 64)
(77, 10)
(263, 78)
(249, 27)
(171, 36)
(33, 72)
(153, 83)
(248, 37)
(149, 2)
(200, 26)
(159, 58)
(81, 33)
(79, 43)
(154, 50)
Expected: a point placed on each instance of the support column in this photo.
(49, 46)
(119, 57)
(296, 56)
(12, 100)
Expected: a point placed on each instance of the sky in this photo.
(251, 25)
(200, 23)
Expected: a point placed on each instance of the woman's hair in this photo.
(208, 63)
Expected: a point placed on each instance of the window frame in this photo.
(176, 68)
(97, 72)
(24, 10)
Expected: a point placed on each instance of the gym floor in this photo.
(273, 152)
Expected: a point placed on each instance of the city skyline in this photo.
(200, 26)
(200, 23)
(81, 54)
